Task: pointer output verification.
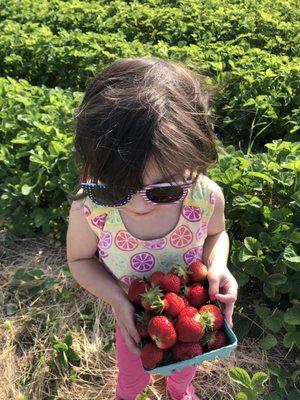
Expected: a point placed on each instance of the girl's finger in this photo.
(129, 341)
(226, 298)
(228, 313)
(213, 287)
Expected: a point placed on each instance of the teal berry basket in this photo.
(223, 352)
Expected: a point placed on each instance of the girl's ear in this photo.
(188, 174)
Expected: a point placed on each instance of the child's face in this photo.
(137, 206)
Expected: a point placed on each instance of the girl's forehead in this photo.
(153, 175)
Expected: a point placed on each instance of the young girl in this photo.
(146, 139)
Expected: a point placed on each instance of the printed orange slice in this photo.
(124, 241)
(181, 237)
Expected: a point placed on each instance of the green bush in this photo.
(269, 25)
(263, 215)
(36, 167)
(258, 92)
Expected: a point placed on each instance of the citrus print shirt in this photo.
(127, 257)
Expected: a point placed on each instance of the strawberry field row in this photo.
(257, 90)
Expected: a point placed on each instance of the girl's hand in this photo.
(223, 287)
(125, 316)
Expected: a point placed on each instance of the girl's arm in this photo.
(87, 270)
(90, 273)
(222, 284)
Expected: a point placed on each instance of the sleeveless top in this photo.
(127, 257)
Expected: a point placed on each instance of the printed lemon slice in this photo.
(201, 232)
(113, 217)
(191, 213)
(142, 262)
(155, 244)
(106, 240)
(193, 254)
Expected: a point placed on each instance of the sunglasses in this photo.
(158, 193)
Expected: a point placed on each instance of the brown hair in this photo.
(144, 108)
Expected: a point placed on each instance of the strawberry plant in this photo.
(65, 353)
(251, 388)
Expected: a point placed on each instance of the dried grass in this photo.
(26, 359)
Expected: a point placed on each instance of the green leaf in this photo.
(241, 396)
(295, 236)
(26, 189)
(258, 380)
(277, 279)
(60, 346)
(291, 338)
(62, 358)
(268, 342)
(241, 277)
(269, 290)
(68, 339)
(40, 217)
(262, 176)
(272, 396)
(274, 322)
(292, 315)
(292, 165)
(291, 259)
(262, 312)
(252, 245)
(274, 369)
(55, 148)
(240, 376)
(72, 355)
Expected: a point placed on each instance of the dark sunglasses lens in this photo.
(167, 194)
(105, 197)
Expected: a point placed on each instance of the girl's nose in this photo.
(139, 204)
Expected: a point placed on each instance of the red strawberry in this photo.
(189, 329)
(171, 304)
(149, 296)
(215, 340)
(211, 316)
(181, 272)
(155, 278)
(151, 355)
(142, 321)
(170, 283)
(183, 351)
(188, 312)
(196, 294)
(186, 302)
(162, 331)
(136, 288)
(197, 271)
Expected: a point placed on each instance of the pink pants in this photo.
(132, 378)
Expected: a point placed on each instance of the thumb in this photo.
(133, 332)
(213, 287)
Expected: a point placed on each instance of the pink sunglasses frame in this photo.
(88, 187)
(185, 185)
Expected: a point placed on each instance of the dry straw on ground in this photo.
(26, 359)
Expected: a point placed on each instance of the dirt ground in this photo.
(33, 318)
